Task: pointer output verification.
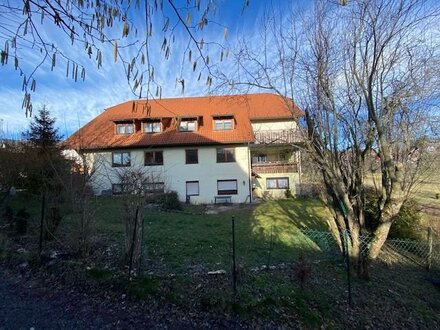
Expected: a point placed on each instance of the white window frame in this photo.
(123, 162)
(277, 181)
(220, 124)
(192, 188)
(184, 125)
(124, 128)
(227, 187)
(153, 126)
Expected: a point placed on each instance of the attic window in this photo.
(188, 125)
(223, 123)
(124, 129)
(152, 126)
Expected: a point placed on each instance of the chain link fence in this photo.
(425, 253)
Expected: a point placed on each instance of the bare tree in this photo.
(366, 75)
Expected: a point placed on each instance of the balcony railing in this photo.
(278, 136)
(278, 167)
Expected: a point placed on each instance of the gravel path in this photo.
(24, 304)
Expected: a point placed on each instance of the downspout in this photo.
(250, 173)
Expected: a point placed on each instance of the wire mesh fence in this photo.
(426, 253)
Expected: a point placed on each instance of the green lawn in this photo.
(265, 233)
(178, 242)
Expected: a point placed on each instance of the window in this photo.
(120, 159)
(222, 124)
(122, 129)
(191, 156)
(277, 183)
(260, 159)
(153, 158)
(192, 188)
(227, 187)
(188, 125)
(225, 155)
(154, 187)
(152, 126)
(117, 188)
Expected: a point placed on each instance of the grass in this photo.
(182, 246)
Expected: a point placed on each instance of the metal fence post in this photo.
(347, 255)
(234, 269)
(429, 256)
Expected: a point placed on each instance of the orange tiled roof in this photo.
(100, 132)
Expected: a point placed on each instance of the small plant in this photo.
(21, 221)
(288, 193)
(437, 196)
(302, 271)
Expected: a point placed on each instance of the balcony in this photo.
(278, 137)
(275, 167)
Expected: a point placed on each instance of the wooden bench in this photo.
(223, 199)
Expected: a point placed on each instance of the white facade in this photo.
(175, 173)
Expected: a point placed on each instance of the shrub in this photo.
(408, 221)
(370, 209)
(167, 201)
(288, 193)
(170, 201)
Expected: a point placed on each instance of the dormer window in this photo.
(223, 123)
(188, 125)
(124, 129)
(153, 126)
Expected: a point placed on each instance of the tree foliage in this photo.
(42, 132)
(39, 32)
(366, 75)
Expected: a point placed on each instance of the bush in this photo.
(167, 201)
(370, 209)
(170, 201)
(408, 222)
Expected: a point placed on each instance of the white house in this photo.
(207, 149)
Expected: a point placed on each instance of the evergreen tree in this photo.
(42, 132)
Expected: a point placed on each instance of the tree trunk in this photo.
(380, 236)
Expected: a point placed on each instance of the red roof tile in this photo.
(100, 132)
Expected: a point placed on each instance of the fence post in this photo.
(234, 269)
(43, 206)
(347, 255)
(130, 265)
(429, 256)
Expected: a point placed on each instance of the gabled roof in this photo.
(100, 132)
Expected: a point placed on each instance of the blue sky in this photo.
(75, 103)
